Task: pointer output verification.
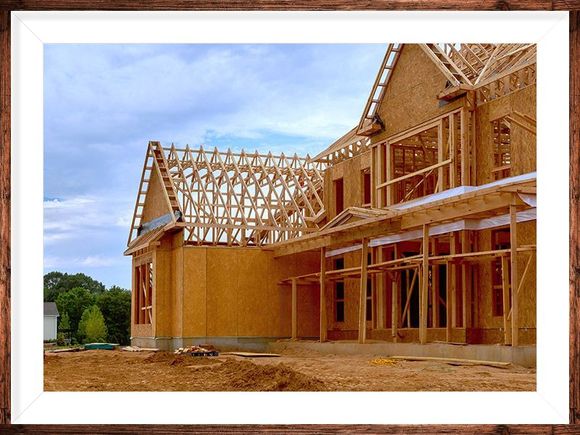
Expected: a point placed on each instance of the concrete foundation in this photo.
(522, 355)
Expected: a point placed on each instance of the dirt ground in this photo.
(101, 370)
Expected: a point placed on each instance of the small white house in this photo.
(50, 321)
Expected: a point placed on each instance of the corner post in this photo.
(423, 299)
(514, 271)
(323, 322)
(362, 308)
(294, 309)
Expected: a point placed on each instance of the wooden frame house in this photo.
(418, 225)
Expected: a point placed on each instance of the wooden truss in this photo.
(234, 198)
(492, 70)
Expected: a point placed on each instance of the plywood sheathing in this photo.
(235, 292)
(411, 96)
(523, 142)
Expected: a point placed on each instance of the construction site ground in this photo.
(103, 370)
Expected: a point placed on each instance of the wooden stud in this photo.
(453, 251)
(514, 273)
(362, 324)
(505, 284)
(395, 288)
(448, 312)
(424, 288)
(465, 284)
(380, 292)
(323, 321)
(294, 309)
(434, 289)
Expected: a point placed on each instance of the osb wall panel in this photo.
(351, 172)
(411, 96)
(235, 292)
(523, 142)
(484, 318)
(162, 293)
(177, 291)
(155, 202)
(194, 292)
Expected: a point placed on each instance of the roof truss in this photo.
(235, 198)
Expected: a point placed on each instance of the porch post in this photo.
(323, 323)
(362, 308)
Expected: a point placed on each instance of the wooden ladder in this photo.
(381, 82)
(165, 175)
(143, 187)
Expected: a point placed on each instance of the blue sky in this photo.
(103, 103)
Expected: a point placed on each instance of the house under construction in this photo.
(418, 225)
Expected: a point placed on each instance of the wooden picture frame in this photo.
(7, 6)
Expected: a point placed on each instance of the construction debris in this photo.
(383, 362)
(196, 351)
(67, 349)
(140, 349)
(454, 361)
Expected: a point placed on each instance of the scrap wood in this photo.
(252, 354)
(140, 349)
(454, 361)
(68, 349)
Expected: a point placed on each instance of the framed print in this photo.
(323, 220)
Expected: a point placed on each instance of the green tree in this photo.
(74, 302)
(92, 326)
(115, 304)
(64, 324)
(56, 283)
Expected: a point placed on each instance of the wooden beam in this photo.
(435, 289)
(380, 291)
(438, 165)
(323, 322)
(294, 309)
(395, 303)
(465, 284)
(453, 251)
(362, 322)
(448, 304)
(424, 288)
(505, 284)
(389, 175)
(514, 273)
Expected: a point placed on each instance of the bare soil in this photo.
(101, 370)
